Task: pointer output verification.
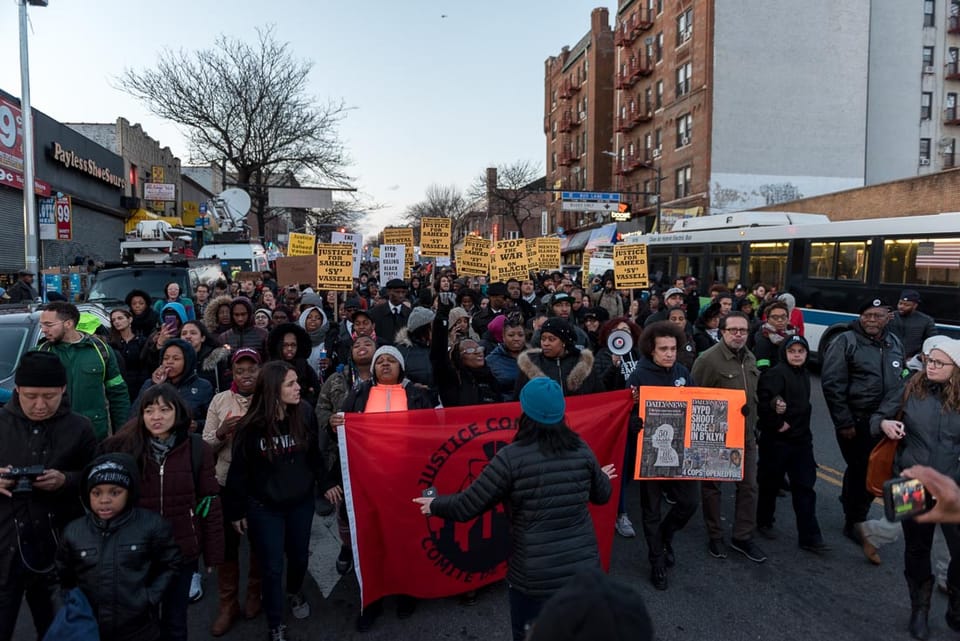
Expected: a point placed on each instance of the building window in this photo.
(513, 234)
(647, 100)
(553, 161)
(928, 13)
(684, 72)
(684, 129)
(682, 181)
(928, 59)
(924, 151)
(684, 26)
(926, 104)
(133, 180)
(659, 94)
(658, 139)
(553, 130)
(659, 7)
(649, 194)
(950, 113)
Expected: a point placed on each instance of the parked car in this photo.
(113, 284)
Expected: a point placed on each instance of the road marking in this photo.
(829, 479)
(836, 473)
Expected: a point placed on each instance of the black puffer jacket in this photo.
(416, 360)
(551, 530)
(573, 371)
(912, 330)
(63, 442)
(792, 384)
(123, 566)
(858, 373)
(931, 436)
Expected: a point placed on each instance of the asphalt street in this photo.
(795, 595)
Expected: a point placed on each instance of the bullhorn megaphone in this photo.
(620, 342)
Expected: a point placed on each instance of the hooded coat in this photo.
(792, 384)
(150, 355)
(124, 565)
(318, 347)
(184, 302)
(193, 390)
(306, 377)
(416, 358)
(146, 322)
(248, 335)
(573, 371)
(210, 314)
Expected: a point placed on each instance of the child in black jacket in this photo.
(120, 556)
(786, 443)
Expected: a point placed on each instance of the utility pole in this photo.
(31, 239)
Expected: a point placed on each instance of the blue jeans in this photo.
(176, 600)
(273, 533)
(524, 610)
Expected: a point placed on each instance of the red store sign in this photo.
(11, 149)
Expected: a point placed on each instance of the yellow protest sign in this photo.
(401, 236)
(335, 266)
(435, 237)
(630, 269)
(548, 253)
(301, 245)
(585, 268)
(509, 260)
(475, 257)
(533, 256)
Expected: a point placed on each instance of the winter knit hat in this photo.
(419, 316)
(40, 369)
(542, 400)
(495, 327)
(562, 330)
(109, 472)
(594, 606)
(949, 346)
(387, 350)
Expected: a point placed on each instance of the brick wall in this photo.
(931, 194)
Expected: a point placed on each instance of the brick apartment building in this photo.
(497, 215)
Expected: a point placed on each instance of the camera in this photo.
(24, 478)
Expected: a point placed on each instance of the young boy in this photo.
(122, 557)
(786, 443)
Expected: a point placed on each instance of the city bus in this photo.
(829, 266)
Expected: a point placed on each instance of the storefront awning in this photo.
(601, 236)
(577, 242)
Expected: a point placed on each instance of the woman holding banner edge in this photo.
(552, 532)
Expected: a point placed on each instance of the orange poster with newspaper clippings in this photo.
(691, 433)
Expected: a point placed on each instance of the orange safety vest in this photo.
(386, 398)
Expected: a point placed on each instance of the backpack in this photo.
(103, 350)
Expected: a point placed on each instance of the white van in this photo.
(236, 257)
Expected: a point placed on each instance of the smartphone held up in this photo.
(905, 498)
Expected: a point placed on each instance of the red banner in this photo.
(388, 460)
(11, 149)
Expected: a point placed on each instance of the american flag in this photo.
(939, 253)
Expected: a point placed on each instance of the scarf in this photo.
(776, 337)
(159, 448)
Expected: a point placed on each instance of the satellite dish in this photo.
(236, 201)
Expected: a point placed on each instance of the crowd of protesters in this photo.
(197, 420)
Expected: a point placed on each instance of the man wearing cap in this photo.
(691, 298)
(561, 306)
(391, 316)
(94, 384)
(673, 297)
(37, 428)
(23, 290)
(861, 366)
(912, 327)
(498, 295)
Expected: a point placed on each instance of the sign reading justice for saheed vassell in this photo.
(630, 268)
(474, 258)
(335, 266)
(435, 237)
(301, 244)
(509, 260)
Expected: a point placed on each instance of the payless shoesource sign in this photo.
(73, 160)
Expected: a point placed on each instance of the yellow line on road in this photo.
(829, 469)
(829, 479)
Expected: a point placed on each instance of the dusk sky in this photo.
(433, 99)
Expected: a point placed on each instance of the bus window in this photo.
(823, 259)
(688, 260)
(661, 274)
(921, 261)
(768, 263)
(725, 265)
(852, 260)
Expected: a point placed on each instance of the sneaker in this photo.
(817, 547)
(767, 532)
(279, 633)
(749, 549)
(658, 576)
(344, 560)
(196, 587)
(625, 527)
(668, 556)
(298, 605)
(717, 549)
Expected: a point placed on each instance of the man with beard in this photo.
(911, 326)
(516, 299)
(861, 367)
(608, 297)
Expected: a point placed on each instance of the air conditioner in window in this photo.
(685, 34)
(583, 116)
(656, 153)
(684, 140)
(924, 161)
(928, 69)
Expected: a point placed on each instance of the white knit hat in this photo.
(949, 346)
(386, 350)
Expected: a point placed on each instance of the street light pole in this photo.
(659, 199)
(31, 240)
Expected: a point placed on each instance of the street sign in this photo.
(590, 196)
(575, 205)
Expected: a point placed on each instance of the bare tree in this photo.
(507, 190)
(442, 201)
(247, 105)
(347, 213)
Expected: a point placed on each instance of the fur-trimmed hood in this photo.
(571, 371)
(403, 339)
(275, 341)
(210, 313)
(214, 358)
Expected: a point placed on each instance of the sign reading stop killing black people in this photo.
(392, 259)
(691, 433)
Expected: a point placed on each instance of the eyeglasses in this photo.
(933, 363)
(472, 350)
(50, 324)
(777, 317)
(736, 330)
